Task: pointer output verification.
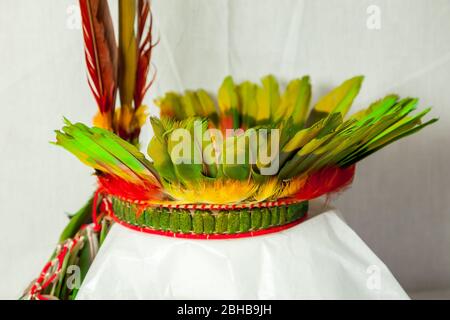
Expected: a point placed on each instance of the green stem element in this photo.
(81, 217)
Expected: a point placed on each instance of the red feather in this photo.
(118, 187)
(146, 45)
(322, 182)
(100, 52)
(326, 181)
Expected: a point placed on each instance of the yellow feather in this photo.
(292, 186)
(129, 119)
(102, 120)
(213, 192)
(267, 190)
(233, 191)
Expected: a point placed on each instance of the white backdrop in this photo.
(398, 201)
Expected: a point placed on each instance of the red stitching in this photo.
(39, 286)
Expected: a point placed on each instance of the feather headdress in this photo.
(235, 186)
(316, 149)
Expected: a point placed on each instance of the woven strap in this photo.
(208, 223)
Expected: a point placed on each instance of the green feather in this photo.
(295, 102)
(267, 98)
(185, 151)
(338, 100)
(208, 108)
(228, 101)
(157, 150)
(99, 149)
(235, 158)
(302, 137)
(247, 103)
(191, 105)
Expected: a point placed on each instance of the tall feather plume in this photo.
(101, 55)
(145, 48)
(135, 50)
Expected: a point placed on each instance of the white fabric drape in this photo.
(322, 258)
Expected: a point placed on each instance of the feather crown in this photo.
(315, 150)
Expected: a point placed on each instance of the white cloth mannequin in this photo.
(322, 258)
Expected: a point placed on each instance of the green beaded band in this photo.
(208, 222)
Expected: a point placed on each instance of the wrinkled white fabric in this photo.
(322, 258)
